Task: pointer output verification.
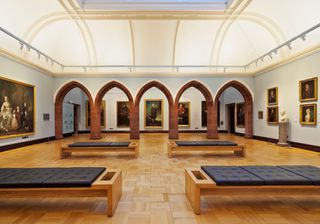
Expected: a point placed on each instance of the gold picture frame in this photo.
(125, 121)
(184, 121)
(103, 114)
(308, 114)
(272, 96)
(240, 115)
(308, 90)
(17, 124)
(273, 115)
(150, 118)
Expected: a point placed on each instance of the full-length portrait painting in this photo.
(17, 112)
(272, 115)
(308, 90)
(204, 111)
(184, 114)
(103, 114)
(240, 121)
(153, 113)
(308, 114)
(272, 96)
(123, 114)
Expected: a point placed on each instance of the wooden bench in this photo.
(238, 150)
(107, 184)
(67, 150)
(198, 183)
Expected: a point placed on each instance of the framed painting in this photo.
(272, 96)
(240, 115)
(273, 115)
(103, 114)
(123, 114)
(17, 112)
(308, 90)
(153, 113)
(308, 114)
(184, 114)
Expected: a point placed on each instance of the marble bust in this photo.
(283, 117)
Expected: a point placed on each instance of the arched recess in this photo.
(248, 99)
(211, 122)
(96, 121)
(59, 105)
(135, 131)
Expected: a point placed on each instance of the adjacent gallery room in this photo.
(159, 111)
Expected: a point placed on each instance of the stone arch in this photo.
(248, 99)
(59, 104)
(96, 122)
(135, 132)
(211, 122)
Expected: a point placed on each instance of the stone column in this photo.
(283, 134)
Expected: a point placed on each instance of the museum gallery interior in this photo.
(159, 111)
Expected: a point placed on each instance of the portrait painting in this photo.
(308, 90)
(184, 114)
(308, 114)
(103, 114)
(273, 115)
(17, 112)
(153, 113)
(272, 96)
(240, 115)
(123, 114)
(204, 112)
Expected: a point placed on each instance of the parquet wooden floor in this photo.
(153, 186)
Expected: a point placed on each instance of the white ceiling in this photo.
(234, 37)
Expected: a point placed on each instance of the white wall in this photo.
(44, 100)
(287, 78)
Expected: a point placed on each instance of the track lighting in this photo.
(39, 55)
(130, 68)
(289, 46)
(21, 46)
(62, 67)
(275, 51)
(303, 38)
(270, 55)
(84, 69)
(28, 48)
(47, 59)
(177, 69)
(224, 69)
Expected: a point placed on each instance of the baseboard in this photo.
(239, 134)
(153, 131)
(27, 143)
(315, 148)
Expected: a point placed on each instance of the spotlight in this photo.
(62, 67)
(52, 62)
(262, 58)
(256, 62)
(275, 51)
(303, 38)
(289, 46)
(47, 59)
(39, 55)
(84, 69)
(177, 69)
(224, 69)
(21, 46)
(130, 68)
(270, 55)
(28, 48)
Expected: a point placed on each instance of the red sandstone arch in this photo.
(135, 124)
(211, 123)
(58, 104)
(96, 122)
(248, 99)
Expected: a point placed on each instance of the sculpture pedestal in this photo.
(283, 134)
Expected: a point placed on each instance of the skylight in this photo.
(155, 5)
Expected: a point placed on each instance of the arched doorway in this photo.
(211, 122)
(248, 99)
(135, 131)
(96, 126)
(59, 105)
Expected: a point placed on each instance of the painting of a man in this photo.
(123, 114)
(153, 114)
(183, 114)
(273, 96)
(309, 90)
(272, 115)
(240, 115)
(308, 114)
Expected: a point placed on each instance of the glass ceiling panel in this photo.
(155, 5)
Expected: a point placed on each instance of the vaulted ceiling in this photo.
(95, 40)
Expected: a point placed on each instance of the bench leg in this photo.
(64, 154)
(114, 195)
(241, 153)
(193, 194)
